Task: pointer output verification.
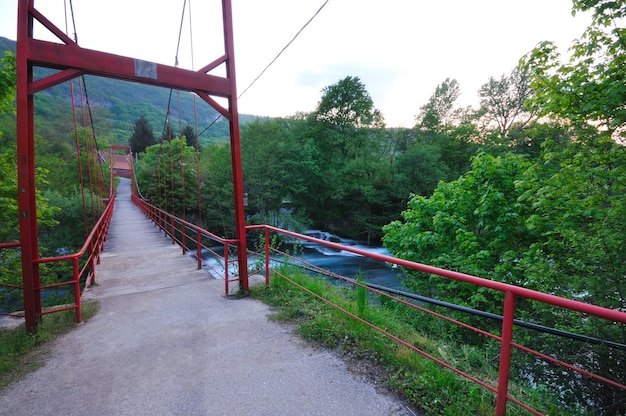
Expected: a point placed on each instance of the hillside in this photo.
(116, 105)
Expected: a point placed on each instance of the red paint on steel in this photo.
(52, 80)
(612, 315)
(91, 248)
(77, 297)
(506, 340)
(240, 220)
(158, 215)
(199, 248)
(73, 61)
(14, 244)
(58, 56)
(26, 168)
(267, 258)
(505, 353)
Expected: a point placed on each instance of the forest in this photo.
(529, 188)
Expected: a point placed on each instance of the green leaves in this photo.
(7, 82)
(579, 215)
(439, 113)
(347, 104)
(589, 88)
(556, 224)
(471, 225)
(143, 136)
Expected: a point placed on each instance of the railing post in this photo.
(92, 263)
(267, 257)
(79, 313)
(226, 267)
(505, 353)
(199, 249)
(183, 236)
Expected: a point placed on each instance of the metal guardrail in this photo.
(83, 265)
(187, 235)
(509, 292)
(194, 239)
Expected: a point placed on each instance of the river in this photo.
(342, 262)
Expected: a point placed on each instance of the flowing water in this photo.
(342, 262)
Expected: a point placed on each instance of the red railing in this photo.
(510, 294)
(196, 240)
(187, 235)
(83, 264)
(88, 256)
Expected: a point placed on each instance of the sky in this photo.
(400, 49)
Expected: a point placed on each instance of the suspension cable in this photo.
(272, 61)
(76, 133)
(182, 159)
(284, 48)
(87, 156)
(195, 118)
(78, 155)
(96, 182)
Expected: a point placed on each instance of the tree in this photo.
(473, 224)
(275, 165)
(8, 169)
(418, 170)
(142, 137)
(348, 136)
(555, 225)
(448, 130)
(503, 102)
(7, 82)
(189, 133)
(439, 111)
(160, 177)
(347, 104)
(578, 195)
(218, 210)
(9, 217)
(589, 87)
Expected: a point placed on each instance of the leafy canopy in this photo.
(588, 87)
(7, 82)
(142, 137)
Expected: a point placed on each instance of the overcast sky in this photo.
(400, 49)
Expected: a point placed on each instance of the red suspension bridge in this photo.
(72, 61)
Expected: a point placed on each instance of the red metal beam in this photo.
(58, 56)
(26, 196)
(52, 80)
(235, 148)
(73, 61)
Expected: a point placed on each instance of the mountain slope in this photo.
(116, 105)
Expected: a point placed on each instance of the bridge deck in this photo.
(166, 342)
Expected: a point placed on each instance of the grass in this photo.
(425, 385)
(21, 352)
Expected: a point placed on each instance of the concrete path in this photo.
(167, 342)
